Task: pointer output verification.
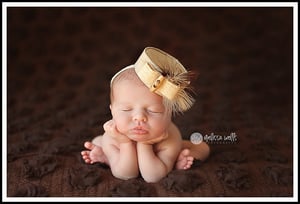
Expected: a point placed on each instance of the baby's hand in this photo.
(112, 131)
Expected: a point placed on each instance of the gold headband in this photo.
(164, 75)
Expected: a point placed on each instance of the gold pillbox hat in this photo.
(164, 75)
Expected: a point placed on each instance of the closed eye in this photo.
(126, 110)
(153, 111)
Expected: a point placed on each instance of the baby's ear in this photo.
(110, 106)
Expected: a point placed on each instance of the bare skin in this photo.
(94, 154)
(141, 138)
(184, 161)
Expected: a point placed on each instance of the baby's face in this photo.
(137, 112)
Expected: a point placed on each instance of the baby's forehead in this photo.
(127, 75)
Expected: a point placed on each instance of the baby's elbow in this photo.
(125, 176)
(155, 177)
(152, 179)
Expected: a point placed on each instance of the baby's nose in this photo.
(140, 117)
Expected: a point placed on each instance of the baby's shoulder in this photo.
(174, 130)
(173, 140)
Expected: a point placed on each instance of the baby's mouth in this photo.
(139, 131)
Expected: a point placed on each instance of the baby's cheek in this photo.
(121, 125)
(158, 128)
(161, 124)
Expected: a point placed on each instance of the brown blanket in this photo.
(59, 64)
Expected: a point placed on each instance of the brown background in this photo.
(59, 64)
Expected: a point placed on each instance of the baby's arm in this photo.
(121, 153)
(156, 161)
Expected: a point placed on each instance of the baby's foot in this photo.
(184, 160)
(94, 154)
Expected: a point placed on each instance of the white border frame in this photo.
(5, 5)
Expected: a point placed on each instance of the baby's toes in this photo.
(186, 167)
(190, 158)
(89, 145)
(188, 164)
(88, 160)
(83, 153)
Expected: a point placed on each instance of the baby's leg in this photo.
(94, 152)
(198, 151)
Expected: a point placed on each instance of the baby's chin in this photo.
(139, 138)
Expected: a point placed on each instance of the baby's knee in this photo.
(205, 151)
(98, 140)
